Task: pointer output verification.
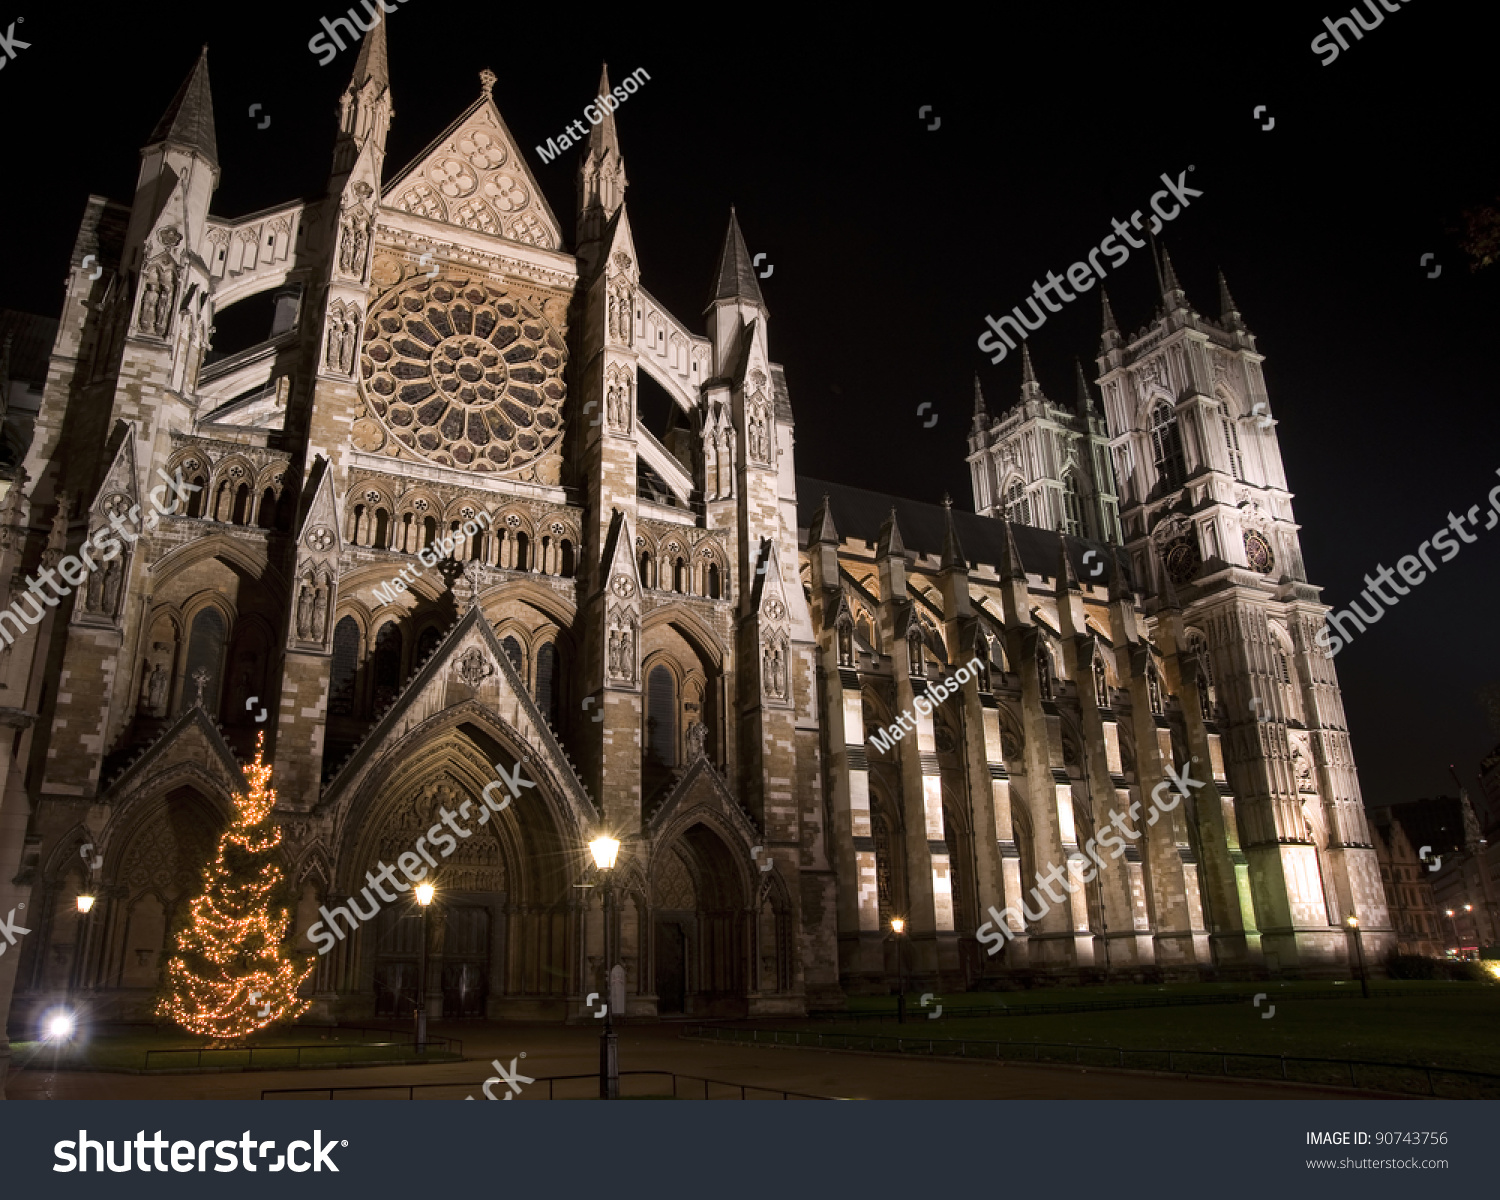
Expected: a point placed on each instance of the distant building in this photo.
(1418, 922)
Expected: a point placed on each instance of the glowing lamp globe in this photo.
(604, 850)
(60, 1027)
(425, 892)
(85, 902)
(898, 924)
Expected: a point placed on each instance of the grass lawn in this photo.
(1455, 1025)
(278, 1049)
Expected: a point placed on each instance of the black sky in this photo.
(891, 242)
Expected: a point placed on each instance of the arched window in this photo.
(345, 663)
(569, 564)
(382, 529)
(1166, 446)
(523, 544)
(646, 579)
(221, 502)
(386, 664)
(1017, 506)
(713, 581)
(241, 514)
(866, 632)
(548, 683)
(266, 517)
(1072, 507)
(205, 661)
(679, 576)
(1232, 444)
(429, 531)
(512, 650)
(405, 535)
(661, 717)
(196, 500)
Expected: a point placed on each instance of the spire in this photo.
(823, 531)
(1085, 398)
(1167, 598)
(189, 119)
(981, 412)
(1229, 314)
(890, 544)
(1030, 389)
(1171, 289)
(601, 182)
(1109, 337)
(953, 553)
(1067, 578)
(1010, 557)
(735, 277)
(602, 138)
(370, 65)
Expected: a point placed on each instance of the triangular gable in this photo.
(191, 739)
(121, 479)
(470, 666)
(700, 776)
(474, 176)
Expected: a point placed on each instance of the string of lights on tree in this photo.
(231, 975)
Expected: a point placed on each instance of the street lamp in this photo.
(898, 926)
(1359, 949)
(424, 893)
(1458, 941)
(85, 903)
(604, 849)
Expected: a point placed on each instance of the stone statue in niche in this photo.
(163, 308)
(627, 655)
(846, 645)
(914, 663)
(304, 611)
(156, 694)
(614, 652)
(320, 613)
(94, 597)
(111, 587)
(697, 737)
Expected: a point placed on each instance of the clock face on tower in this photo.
(463, 374)
(1183, 559)
(1258, 552)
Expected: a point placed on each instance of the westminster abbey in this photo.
(675, 637)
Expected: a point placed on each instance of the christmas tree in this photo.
(230, 975)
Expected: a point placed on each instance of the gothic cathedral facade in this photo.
(671, 638)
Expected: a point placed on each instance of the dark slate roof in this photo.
(858, 513)
(189, 119)
(735, 278)
(31, 344)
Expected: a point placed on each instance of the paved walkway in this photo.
(574, 1050)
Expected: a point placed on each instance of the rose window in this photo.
(464, 375)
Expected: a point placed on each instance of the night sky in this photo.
(890, 242)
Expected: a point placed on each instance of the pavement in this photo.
(542, 1050)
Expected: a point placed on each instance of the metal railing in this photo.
(551, 1081)
(1365, 1074)
(448, 1046)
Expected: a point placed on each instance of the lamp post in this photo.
(85, 906)
(1469, 908)
(898, 926)
(604, 850)
(1457, 941)
(424, 893)
(1359, 950)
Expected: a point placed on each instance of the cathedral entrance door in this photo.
(671, 967)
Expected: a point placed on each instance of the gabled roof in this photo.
(859, 513)
(475, 176)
